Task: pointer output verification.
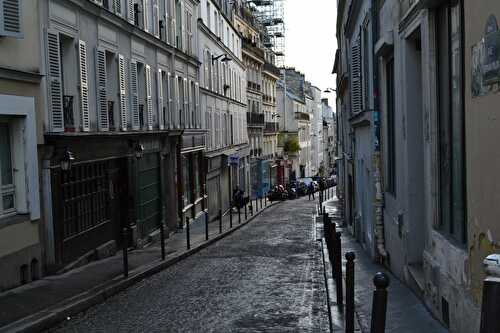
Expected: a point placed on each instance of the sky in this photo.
(310, 41)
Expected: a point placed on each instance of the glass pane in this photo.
(8, 202)
(5, 155)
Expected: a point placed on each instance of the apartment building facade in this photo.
(21, 139)
(313, 103)
(223, 96)
(123, 125)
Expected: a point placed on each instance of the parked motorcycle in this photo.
(278, 193)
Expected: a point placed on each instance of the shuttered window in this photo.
(161, 111)
(84, 88)
(356, 85)
(123, 92)
(177, 110)
(156, 19)
(170, 100)
(197, 105)
(134, 96)
(185, 115)
(145, 18)
(10, 18)
(102, 112)
(117, 7)
(149, 97)
(130, 11)
(55, 82)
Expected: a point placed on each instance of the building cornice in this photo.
(19, 75)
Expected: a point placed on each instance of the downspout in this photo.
(379, 196)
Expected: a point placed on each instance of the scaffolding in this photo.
(271, 16)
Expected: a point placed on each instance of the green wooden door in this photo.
(149, 203)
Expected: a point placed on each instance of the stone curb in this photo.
(56, 314)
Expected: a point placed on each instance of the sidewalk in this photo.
(405, 312)
(45, 302)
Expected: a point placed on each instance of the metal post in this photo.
(379, 305)
(162, 240)
(260, 202)
(490, 311)
(256, 204)
(230, 214)
(188, 235)
(239, 214)
(220, 221)
(206, 224)
(333, 238)
(338, 271)
(251, 207)
(349, 292)
(125, 252)
(246, 212)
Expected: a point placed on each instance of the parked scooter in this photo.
(278, 193)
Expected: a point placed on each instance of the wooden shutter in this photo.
(177, 102)
(145, 8)
(130, 11)
(156, 19)
(197, 105)
(167, 21)
(102, 98)
(134, 96)
(10, 18)
(117, 4)
(123, 93)
(169, 100)
(186, 103)
(55, 82)
(149, 98)
(159, 86)
(356, 89)
(84, 87)
(206, 55)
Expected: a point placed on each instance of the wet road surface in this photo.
(265, 277)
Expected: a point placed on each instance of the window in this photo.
(189, 32)
(186, 172)
(7, 188)
(10, 19)
(451, 121)
(365, 58)
(197, 174)
(391, 129)
(178, 30)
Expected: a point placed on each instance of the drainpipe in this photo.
(379, 196)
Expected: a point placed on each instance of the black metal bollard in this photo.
(230, 215)
(220, 221)
(260, 203)
(246, 212)
(162, 240)
(490, 311)
(188, 234)
(256, 204)
(125, 252)
(239, 214)
(251, 208)
(349, 292)
(332, 236)
(379, 305)
(338, 270)
(206, 225)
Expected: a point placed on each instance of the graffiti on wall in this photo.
(486, 61)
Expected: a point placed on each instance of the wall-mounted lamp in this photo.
(329, 90)
(67, 160)
(138, 151)
(275, 115)
(224, 57)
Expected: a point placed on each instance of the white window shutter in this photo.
(177, 102)
(167, 21)
(102, 98)
(159, 85)
(206, 55)
(185, 116)
(170, 104)
(197, 105)
(117, 4)
(84, 86)
(134, 96)
(156, 19)
(55, 82)
(149, 98)
(123, 93)
(10, 18)
(356, 90)
(130, 11)
(145, 9)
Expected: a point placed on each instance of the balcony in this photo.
(271, 127)
(255, 119)
(302, 116)
(253, 86)
(253, 48)
(270, 68)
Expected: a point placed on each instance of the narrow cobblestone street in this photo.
(266, 276)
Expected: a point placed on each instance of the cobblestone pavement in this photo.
(266, 277)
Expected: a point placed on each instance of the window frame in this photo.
(8, 189)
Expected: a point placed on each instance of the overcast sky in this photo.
(310, 40)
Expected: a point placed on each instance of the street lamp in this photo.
(67, 160)
(329, 90)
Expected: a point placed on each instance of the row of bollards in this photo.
(247, 205)
(333, 240)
